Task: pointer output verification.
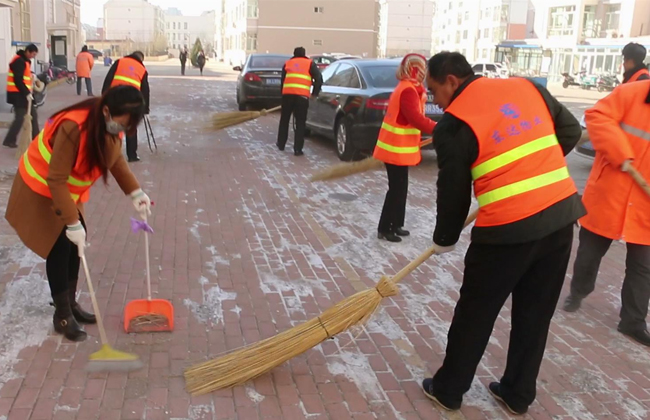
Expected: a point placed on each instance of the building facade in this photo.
(239, 29)
(137, 20)
(182, 31)
(405, 26)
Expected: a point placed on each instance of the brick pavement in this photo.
(246, 247)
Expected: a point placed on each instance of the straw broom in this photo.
(259, 358)
(25, 132)
(341, 170)
(228, 119)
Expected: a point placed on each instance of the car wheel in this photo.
(344, 148)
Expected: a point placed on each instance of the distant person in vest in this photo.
(299, 75)
(619, 129)
(78, 146)
(183, 58)
(85, 63)
(19, 93)
(633, 56)
(507, 137)
(398, 145)
(130, 71)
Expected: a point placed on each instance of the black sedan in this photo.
(260, 80)
(584, 147)
(352, 104)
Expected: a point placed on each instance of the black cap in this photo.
(299, 52)
(635, 52)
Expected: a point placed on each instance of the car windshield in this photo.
(268, 62)
(380, 76)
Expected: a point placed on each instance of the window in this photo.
(319, 10)
(329, 72)
(251, 42)
(174, 37)
(460, 18)
(174, 25)
(465, 34)
(167, 25)
(25, 20)
(612, 17)
(457, 37)
(380, 76)
(486, 33)
(185, 25)
(491, 67)
(561, 21)
(505, 13)
(253, 9)
(589, 22)
(466, 16)
(345, 76)
(317, 42)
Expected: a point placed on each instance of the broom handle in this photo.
(426, 254)
(146, 246)
(638, 178)
(277, 108)
(426, 142)
(91, 290)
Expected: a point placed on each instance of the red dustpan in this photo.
(147, 315)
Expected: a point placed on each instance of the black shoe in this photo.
(445, 405)
(402, 232)
(495, 390)
(572, 303)
(10, 146)
(298, 153)
(640, 336)
(280, 148)
(78, 312)
(389, 236)
(135, 159)
(64, 321)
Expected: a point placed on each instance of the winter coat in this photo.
(39, 220)
(85, 63)
(201, 60)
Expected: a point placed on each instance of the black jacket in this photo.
(316, 77)
(144, 86)
(630, 73)
(18, 67)
(183, 57)
(457, 149)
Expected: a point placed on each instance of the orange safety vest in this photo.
(520, 170)
(619, 129)
(298, 78)
(129, 72)
(399, 144)
(27, 76)
(34, 166)
(638, 74)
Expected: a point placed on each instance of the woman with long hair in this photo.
(78, 146)
(398, 145)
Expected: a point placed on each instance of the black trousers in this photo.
(89, 86)
(16, 125)
(297, 106)
(533, 273)
(183, 68)
(394, 210)
(132, 145)
(62, 264)
(635, 293)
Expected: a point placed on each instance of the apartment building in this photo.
(405, 26)
(182, 31)
(138, 20)
(239, 29)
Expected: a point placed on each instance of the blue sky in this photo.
(91, 10)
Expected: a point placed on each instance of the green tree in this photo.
(195, 52)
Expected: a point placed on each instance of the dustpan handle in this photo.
(426, 254)
(91, 290)
(146, 257)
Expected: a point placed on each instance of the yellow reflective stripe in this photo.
(11, 84)
(10, 74)
(47, 156)
(400, 131)
(521, 187)
(24, 77)
(31, 171)
(78, 183)
(298, 76)
(296, 86)
(128, 80)
(397, 149)
(514, 155)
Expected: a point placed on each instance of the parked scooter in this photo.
(607, 83)
(56, 73)
(570, 80)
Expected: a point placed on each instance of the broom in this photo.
(638, 178)
(341, 170)
(25, 132)
(257, 359)
(228, 119)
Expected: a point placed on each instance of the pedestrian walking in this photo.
(299, 75)
(509, 137)
(633, 56)
(200, 60)
(398, 145)
(78, 146)
(130, 71)
(619, 130)
(85, 64)
(19, 93)
(183, 58)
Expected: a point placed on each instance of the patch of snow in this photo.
(356, 368)
(254, 396)
(210, 311)
(574, 407)
(202, 411)
(63, 408)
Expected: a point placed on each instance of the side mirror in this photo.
(237, 68)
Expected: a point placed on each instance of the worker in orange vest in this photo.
(85, 63)
(633, 56)
(508, 137)
(19, 93)
(130, 71)
(299, 75)
(78, 146)
(398, 145)
(619, 129)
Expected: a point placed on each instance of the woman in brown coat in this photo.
(78, 145)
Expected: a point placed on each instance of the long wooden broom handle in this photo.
(426, 142)
(639, 179)
(426, 254)
(91, 291)
(146, 247)
(268, 111)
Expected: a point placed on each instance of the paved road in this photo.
(245, 247)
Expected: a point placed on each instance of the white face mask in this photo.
(113, 127)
